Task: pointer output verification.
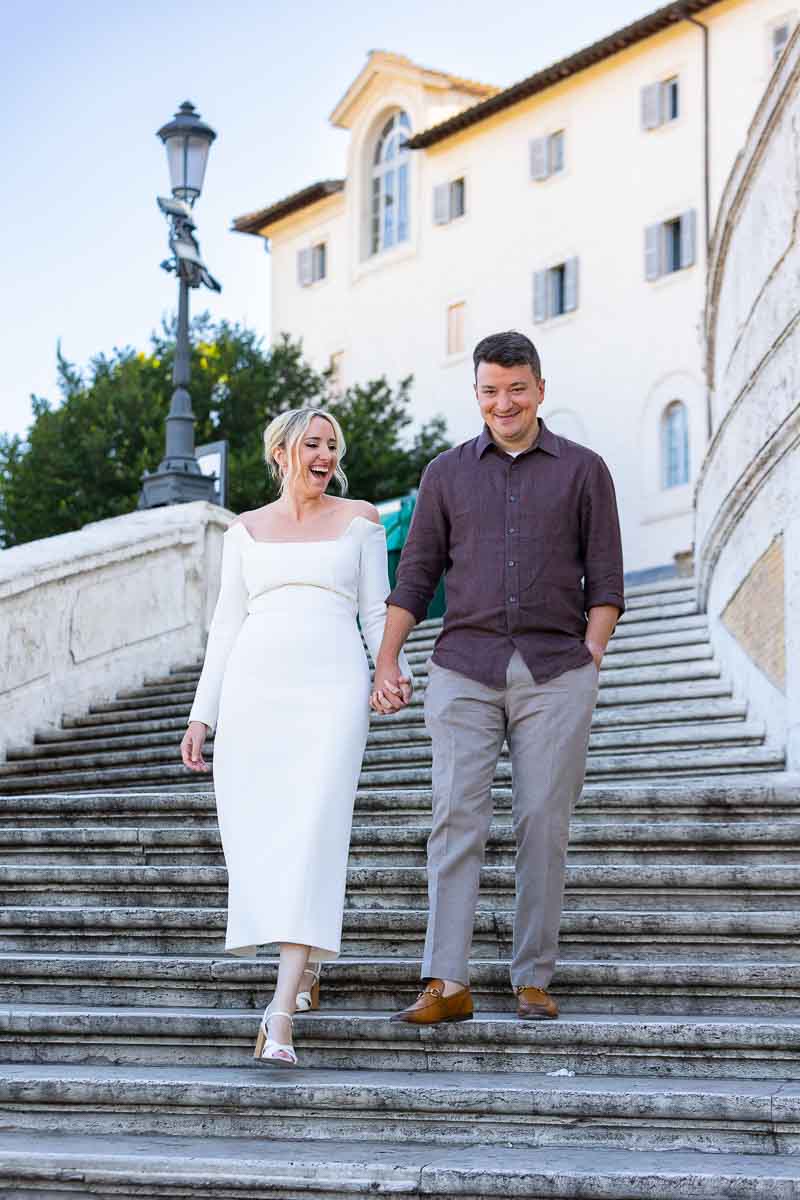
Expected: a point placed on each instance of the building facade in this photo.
(575, 206)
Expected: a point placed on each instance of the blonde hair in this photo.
(288, 430)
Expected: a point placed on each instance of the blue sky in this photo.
(84, 85)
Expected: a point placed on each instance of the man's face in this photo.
(509, 399)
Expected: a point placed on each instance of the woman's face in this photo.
(316, 453)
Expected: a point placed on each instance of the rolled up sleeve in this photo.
(425, 553)
(603, 576)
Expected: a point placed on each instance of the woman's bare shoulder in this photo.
(252, 514)
(363, 508)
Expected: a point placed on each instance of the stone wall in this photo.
(748, 494)
(85, 614)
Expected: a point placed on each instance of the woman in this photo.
(286, 681)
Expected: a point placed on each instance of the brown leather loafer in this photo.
(535, 1004)
(432, 1006)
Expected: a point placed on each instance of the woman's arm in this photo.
(373, 588)
(229, 615)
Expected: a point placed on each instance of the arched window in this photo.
(675, 445)
(389, 185)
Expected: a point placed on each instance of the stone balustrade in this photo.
(747, 537)
(87, 613)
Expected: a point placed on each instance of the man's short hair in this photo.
(509, 349)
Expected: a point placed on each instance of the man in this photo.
(525, 525)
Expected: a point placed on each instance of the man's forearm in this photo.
(399, 623)
(602, 620)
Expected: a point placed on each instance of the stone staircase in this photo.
(674, 1070)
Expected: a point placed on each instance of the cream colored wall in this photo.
(631, 346)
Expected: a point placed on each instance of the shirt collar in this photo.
(546, 441)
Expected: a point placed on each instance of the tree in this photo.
(83, 459)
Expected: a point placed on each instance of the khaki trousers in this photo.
(547, 728)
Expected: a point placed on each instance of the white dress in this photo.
(286, 682)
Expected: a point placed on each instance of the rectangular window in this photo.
(556, 281)
(449, 201)
(456, 314)
(671, 105)
(555, 290)
(670, 245)
(312, 264)
(547, 155)
(660, 103)
(458, 197)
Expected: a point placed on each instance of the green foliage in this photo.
(83, 459)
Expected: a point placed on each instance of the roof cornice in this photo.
(258, 222)
(607, 47)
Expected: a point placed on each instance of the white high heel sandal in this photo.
(267, 1049)
(308, 1001)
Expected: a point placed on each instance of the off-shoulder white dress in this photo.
(286, 682)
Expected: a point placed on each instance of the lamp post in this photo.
(178, 478)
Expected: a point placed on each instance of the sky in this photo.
(85, 84)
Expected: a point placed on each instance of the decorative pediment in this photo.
(384, 70)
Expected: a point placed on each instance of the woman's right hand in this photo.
(192, 746)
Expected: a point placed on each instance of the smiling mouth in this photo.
(319, 472)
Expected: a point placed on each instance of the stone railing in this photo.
(85, 614)
(747, 537)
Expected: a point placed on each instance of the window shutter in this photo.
(538, 150)
(570, 285)
(441, 204)
(688, 238)
(304, 267)
(651, 106)
(555, 152)
(540, 296)
(652, 251)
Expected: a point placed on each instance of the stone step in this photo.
(661, 587)
(631, 676)
(400, 746)
(754, 936)
(613, 661)
(682, 842)
(164, 731)
(627, 741)
(580, 1044)
(254, 1168)
(736, 797)
(655, 610)
(635, 626)
(692, 636)
(655, 766)
(128, 711)
(633, 652)
(443, 1108)
(677, 987)
(136, 735)
(685, 662)
(670, 888)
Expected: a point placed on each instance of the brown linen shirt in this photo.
(529, 545)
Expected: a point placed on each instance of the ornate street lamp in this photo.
(178, 478)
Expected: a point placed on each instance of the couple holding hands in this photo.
(524, 524)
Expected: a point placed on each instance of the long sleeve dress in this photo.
(286, 683)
